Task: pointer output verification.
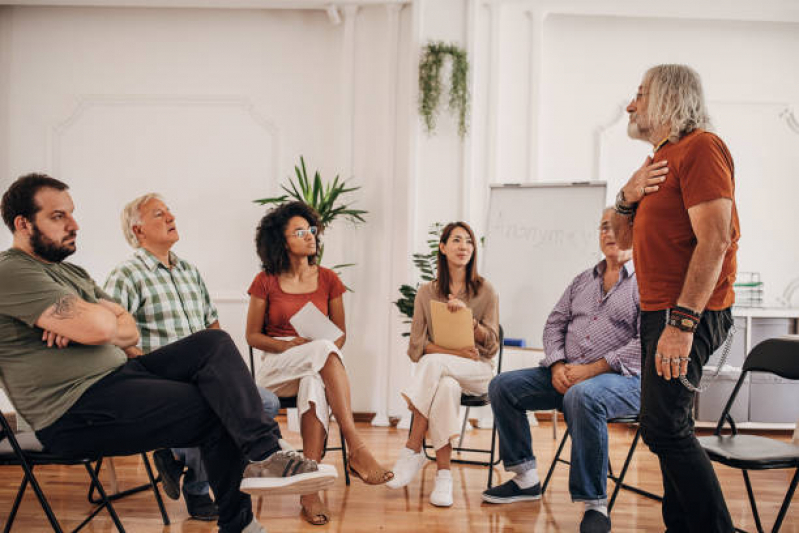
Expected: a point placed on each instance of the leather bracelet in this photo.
(683, 319)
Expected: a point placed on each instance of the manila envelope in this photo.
(451, 330)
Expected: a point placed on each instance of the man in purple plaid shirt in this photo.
(590, 372)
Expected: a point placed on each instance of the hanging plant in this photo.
(432, 60)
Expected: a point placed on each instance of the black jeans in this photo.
(692, 497)
(196, 391)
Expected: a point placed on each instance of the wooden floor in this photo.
(360, 508)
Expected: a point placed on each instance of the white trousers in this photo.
(436, 392)
(295, 372)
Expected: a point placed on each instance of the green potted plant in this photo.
(426, 263)
(326, 198)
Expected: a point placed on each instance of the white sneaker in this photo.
(254, 527)
(405, 469)
(442, 493)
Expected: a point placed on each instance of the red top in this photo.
(700, 170)
(281, 306)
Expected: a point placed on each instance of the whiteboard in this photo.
(540, 236)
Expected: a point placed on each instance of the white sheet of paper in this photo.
(312, 324)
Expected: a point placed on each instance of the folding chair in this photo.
(469, 401)
(290, 402)
(752, 452)
(26, 451)
(617, 480)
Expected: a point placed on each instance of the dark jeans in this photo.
(692, 497)
(196, 391)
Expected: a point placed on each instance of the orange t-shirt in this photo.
(281, 306)
(700, 169)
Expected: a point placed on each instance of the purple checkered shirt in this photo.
(587, 324)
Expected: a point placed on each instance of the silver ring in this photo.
(643, 191)
(675, 360)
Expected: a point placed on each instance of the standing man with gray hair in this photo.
(169, 301)
(678, 213)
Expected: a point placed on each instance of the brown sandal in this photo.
(317, 515)
(371, 474)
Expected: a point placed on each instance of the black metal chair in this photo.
(617, 480)
(25, 451)
(290, 402)
(752, 452)
(469, 401)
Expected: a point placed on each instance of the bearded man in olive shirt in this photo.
(61, 341)
(678, 214)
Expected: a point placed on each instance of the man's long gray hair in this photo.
(676, 98)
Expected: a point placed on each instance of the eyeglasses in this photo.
(301, 233)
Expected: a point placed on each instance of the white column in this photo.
(467, 179)
(347, 84)
(492, 122)
(390, 149)
(536, 50)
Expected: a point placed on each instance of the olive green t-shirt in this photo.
(43, 383)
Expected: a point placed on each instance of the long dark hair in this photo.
(270, 241)
(473, 280)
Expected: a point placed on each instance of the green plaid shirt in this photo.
(168, 304)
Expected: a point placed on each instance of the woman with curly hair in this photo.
(287, 243)
(442, 374)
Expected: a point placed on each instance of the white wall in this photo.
(213, 107)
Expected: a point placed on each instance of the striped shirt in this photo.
(588, 324)
(167, 303)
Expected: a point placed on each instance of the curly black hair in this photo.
(270, 241)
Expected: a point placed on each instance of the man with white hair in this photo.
(678, 213)
(591, 372)
(169, 301)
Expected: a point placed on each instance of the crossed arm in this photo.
(73, 319)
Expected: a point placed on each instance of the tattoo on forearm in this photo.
(66, 307)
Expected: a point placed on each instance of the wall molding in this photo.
(88, 102)
(321, 5)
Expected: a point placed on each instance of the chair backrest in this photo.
(779, 356)
(501, 349)
(776, 356)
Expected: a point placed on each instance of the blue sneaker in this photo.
(510, 492)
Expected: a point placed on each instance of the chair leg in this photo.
(154, 485)
(20, 493)
(491, 456)
(752, 503)
(104, 497)
(619, 481)
(37, 489)
(463, 428)
(344, 456)
(786, 502)
(555, 460)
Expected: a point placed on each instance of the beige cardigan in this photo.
(484, 306)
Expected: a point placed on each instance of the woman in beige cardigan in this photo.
(443, 373)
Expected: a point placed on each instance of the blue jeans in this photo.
(196, 480)
(586, 407)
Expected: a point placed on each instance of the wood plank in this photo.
(362, 508)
